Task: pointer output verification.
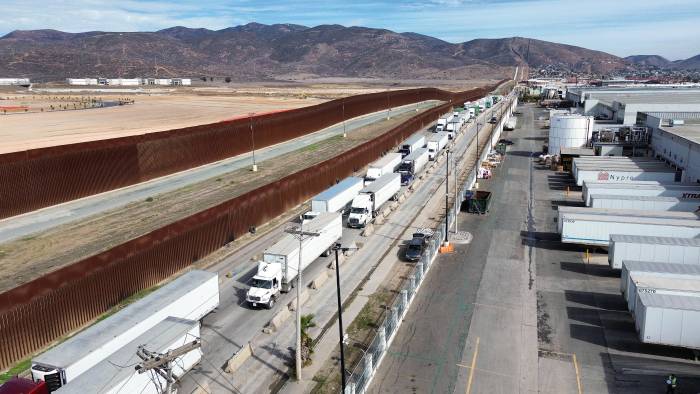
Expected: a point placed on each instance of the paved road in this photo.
(234, 324)
(481, 291)
(46, 218)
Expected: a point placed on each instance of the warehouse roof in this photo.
(630, 212)
(649, 239)
(689, 283)
(653, 266)
(692, 223)
(577, 151)
(689, 132)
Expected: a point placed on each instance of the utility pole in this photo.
(476, 163)
(447, 196)
(345, 134)
(338, 247)
(252, 137)
(161, 363)
(301, 235)
(457, 200)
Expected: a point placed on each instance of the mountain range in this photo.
(661, 62)
(290, 52)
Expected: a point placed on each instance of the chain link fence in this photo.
(359, 379)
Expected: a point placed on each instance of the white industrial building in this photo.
(622, 105)
(14, 81)
(130, 81)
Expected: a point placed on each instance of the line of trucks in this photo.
(649, 222)
(361, 199)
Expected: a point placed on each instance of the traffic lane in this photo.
(46, 218)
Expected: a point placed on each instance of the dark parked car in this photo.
(505, 141)
(416, 246)
(493, 120)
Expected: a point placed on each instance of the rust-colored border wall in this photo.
(37, 313)
(38, 178)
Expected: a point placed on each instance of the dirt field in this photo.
(30, 257)
(149, 113)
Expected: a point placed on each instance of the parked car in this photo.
(493, 120)
(505, 141)
(416, 246)
(517, 113)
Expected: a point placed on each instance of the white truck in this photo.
(112, 376)
(436, 143)
(385, 165)
(412, 164)
(280, 264)
(336, 198)
(441, 124)
(366, 205)
(412, 143)
(191, 296)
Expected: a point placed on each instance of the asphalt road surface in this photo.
(46, 218)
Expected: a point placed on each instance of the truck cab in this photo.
(265, 285)
(361, 211)
(407, 178)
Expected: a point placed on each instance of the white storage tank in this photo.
(569, 131)
(653, 249)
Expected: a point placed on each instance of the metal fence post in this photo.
(419, 270)
(350, 388)
(412, 284)
(404, 298)
(382, 338)
(368, 365)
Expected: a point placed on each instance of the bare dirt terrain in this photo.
(30, 257)
(149, 113)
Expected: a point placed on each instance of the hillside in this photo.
(282, 51)
(649, 60)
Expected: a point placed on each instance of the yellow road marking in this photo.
(578, 376)
(471, 370)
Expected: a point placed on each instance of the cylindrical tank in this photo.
(569, 131)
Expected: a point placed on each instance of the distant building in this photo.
(14, 82)
(130, 81)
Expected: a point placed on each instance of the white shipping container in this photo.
(383, 189)
(616, 165)
(338, 196)
(626, 174)
(611, 201)
(385, 165)
(655, 283)
(116, 374)
(632, 213)
(668, 319)
(596, 229)
(652, 267)
(653, 249)
(683, 191)
(191, 296)
(327, 225)
(436, 143)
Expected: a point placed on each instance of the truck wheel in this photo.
(271, 303)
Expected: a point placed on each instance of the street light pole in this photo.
(252, 137)
(336, 248)
(447, 195)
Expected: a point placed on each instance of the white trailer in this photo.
(412, 143)
(191, 296)
(596, 229)
(612, 201)
(435, 144)
(367, 204)
(635, 213)
(626, 173)
(683, 191)
(383, 166)
(659, 283)
(652, 267)
(672, 320)
(116, 374)
(338, 196)
(609, 161)
(654, 249)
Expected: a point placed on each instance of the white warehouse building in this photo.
(129, 81)
(14, 81)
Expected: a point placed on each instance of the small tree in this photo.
(306, 342)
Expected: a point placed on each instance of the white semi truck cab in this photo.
(361, 211)
(266, 285)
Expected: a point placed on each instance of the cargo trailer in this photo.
(412, 164)
(624, 212)
(672, 320)
(411, 143)
(651, 267)
(336, 198)
(383, 166)
(612, 201)
(367, 204)
(626, 173)
(280, 263)
(609, 160)
(117, 375)
(191, 296)
(435, 144)
(588, 229)
(683, 191)
(652, 248)
(656, 283)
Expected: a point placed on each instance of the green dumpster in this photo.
(477, 202)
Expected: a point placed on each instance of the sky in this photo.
(670, 28)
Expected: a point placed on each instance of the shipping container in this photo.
(338, 196)
(626, 173)
(659, 283)
(612, 201)
(683, 191)
(652, 267)
(668, 319)
(588, 229)
(383, 166)
(652, 248)
(435, 144)
(191, 296)
(563, 210)
(117, 375)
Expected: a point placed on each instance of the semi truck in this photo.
(191, 296)
(116, 374)
(336, 198)
(280, 264)
(412, 164)
(411, 143)
(385, 165)
(442, 124)
(366, 205)
(435, 144)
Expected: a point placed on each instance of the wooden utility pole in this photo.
(161, 363)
